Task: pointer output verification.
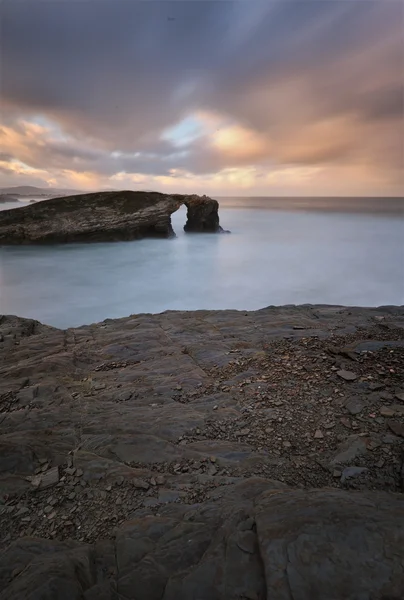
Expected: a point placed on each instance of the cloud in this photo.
(204, 93)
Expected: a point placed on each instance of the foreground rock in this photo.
(106, 216)
(210, 455)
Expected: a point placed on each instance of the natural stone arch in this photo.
(106, 216)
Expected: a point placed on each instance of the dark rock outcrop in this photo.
(4, 198)
(203, 455)
(256, 541)
(202, 215)
(106, 216)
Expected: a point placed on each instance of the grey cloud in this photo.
(383, 104)
(115, 74)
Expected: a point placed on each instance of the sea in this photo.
(344, 251)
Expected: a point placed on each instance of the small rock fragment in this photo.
(318, 435)
(49, 478)
(347, 375)
(386, 411)
(351, 472)
(140, 484)
(375, 386)
(350, 449)
(354, 406)
(396, 428)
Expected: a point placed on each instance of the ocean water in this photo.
(272, 257)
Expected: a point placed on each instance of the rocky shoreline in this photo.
(207, 454)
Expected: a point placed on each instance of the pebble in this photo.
(22, 511)
(354, 406)
(99, 386)
(375, 386)
(242, 432)
(347, 375)
(140, 483)
(318, 434)
(386, 411)
(396, 428)
(352, 472)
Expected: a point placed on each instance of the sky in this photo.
(282, 97)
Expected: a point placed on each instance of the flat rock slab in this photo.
(303, 544)
(347, 375)
(208, 454)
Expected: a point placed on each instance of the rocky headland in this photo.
(210, 455)
(5, 198)
(106, 216)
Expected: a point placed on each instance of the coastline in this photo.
(220, 421)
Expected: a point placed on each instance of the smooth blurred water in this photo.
(271, 258)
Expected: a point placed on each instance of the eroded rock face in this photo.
(202, 215)
(106, 216)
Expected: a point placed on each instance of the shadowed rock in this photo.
(258, 541)
(174, 457)
(7, 198)
(106, 216)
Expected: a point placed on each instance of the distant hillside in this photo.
(30, 190)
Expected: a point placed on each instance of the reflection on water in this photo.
(271, 257)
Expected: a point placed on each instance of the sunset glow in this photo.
(289, 98)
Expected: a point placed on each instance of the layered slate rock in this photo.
(106, 216)
(257, 540)
(204, 455)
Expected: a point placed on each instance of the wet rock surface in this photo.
(207, 454)
(106, 216)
